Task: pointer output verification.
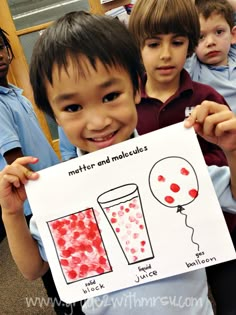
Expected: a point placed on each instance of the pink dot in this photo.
(131, 219)
(184, 171)
(114, 214)
(135, 235)
(139, 215)
(133, 250)
(117, 230)
(161, 178)
(120, 213)
(193, 193)
(175, 188)
(169, 199)
(142, 250)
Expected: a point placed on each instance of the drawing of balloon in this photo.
(174, 183)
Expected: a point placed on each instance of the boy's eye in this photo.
(218, 32)
(73, 108)
(201, 37)
(110, 97)
(178, 43)
(152, 44)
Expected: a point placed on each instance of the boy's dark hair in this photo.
(98, 37)
(3, 35)
(151, 17)
(222, 7)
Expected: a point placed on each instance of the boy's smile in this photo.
(96, 108)
(216, 38)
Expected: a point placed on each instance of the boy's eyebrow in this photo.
(103, 85)
(157, 36)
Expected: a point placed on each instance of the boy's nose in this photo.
(210, 40)
(98, 120)
(165, 53)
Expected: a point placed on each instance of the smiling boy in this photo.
(89, 83)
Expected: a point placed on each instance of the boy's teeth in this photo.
(103, 138)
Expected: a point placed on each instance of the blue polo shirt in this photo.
(19, 128)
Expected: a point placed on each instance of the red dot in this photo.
(113, 220)
(175, 188)
(143, 243)
(80, 224)
(64, 262)
(66, 253)
(117, 230)
(76, 235)
(100, 270)
(84, 269)
(102, 260)
(73, 217)
(126, 209)
(141, 227)
(193, 193)
(184, 171)
(61, 242)
(72, 274)
(169, 199)
(161, 178)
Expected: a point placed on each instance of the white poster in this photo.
(138, 211)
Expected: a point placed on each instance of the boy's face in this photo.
(164, 57)
(216, 38)
(97, 108)
(4, 60)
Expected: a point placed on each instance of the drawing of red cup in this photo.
(123, 209)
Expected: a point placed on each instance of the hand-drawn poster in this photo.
(138, 211)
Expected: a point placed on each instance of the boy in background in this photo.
(21, 135)
(89, 71)
(169, 94)
(214, 63)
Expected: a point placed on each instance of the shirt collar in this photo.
(10, 88)
(184, 85)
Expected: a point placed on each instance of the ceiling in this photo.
(22, 6)
(27, 13)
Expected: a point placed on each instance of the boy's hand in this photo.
(215, 123)
(12, 180)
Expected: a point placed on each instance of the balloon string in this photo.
(190, 227)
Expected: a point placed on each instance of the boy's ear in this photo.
(233, 35)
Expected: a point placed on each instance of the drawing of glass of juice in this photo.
(123, 209)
